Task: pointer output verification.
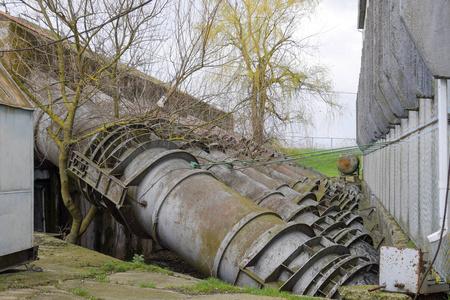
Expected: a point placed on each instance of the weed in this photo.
(102, 278)
(410, 244)
(215, 286)
(147, 285)
(80, 292)
(87, 264)
(209, 286)
(125, 266)
(138, 259)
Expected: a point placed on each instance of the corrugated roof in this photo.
(10, 93)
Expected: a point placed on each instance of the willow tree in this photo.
(266, 57)
(77, 45)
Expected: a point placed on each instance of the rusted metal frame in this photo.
(131, 134)
(231, 235)
(108, 186)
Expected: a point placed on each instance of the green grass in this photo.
(208, 286)
(410, 244)
(216, 286)
(114, 267)
(137, 264)
(80, 292)
(322, 161)
(149, 285)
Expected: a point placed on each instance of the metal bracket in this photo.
(86, 170)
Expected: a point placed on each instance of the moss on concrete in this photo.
(69, 271)
(362, 293)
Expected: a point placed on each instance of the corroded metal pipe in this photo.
(152, 187)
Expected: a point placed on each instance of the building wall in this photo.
(16, 179)
(402, 173)
(405, 50)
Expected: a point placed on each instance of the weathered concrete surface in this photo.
(362, 293)
(404, 47)
(66, 269)
(428, 21)
(393, 234)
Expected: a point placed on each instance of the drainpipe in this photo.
(443, 158)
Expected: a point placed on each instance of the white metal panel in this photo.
(16, 149)
(16, 221)
(400, 269)
(16, 180)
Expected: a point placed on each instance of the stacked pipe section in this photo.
(342, 228)
(152, 187)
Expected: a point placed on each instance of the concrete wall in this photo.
(16, 179)
(405, 50)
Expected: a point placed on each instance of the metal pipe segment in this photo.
(342, 228)
(152, 187)
(211, 226)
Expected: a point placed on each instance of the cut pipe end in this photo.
(435, 236)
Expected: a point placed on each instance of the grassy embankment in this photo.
(323, 161)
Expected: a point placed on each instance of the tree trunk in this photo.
(73, 209)
(257, 117)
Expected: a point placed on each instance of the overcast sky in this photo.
(340, 45)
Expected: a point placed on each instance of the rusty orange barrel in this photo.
(347, 163)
